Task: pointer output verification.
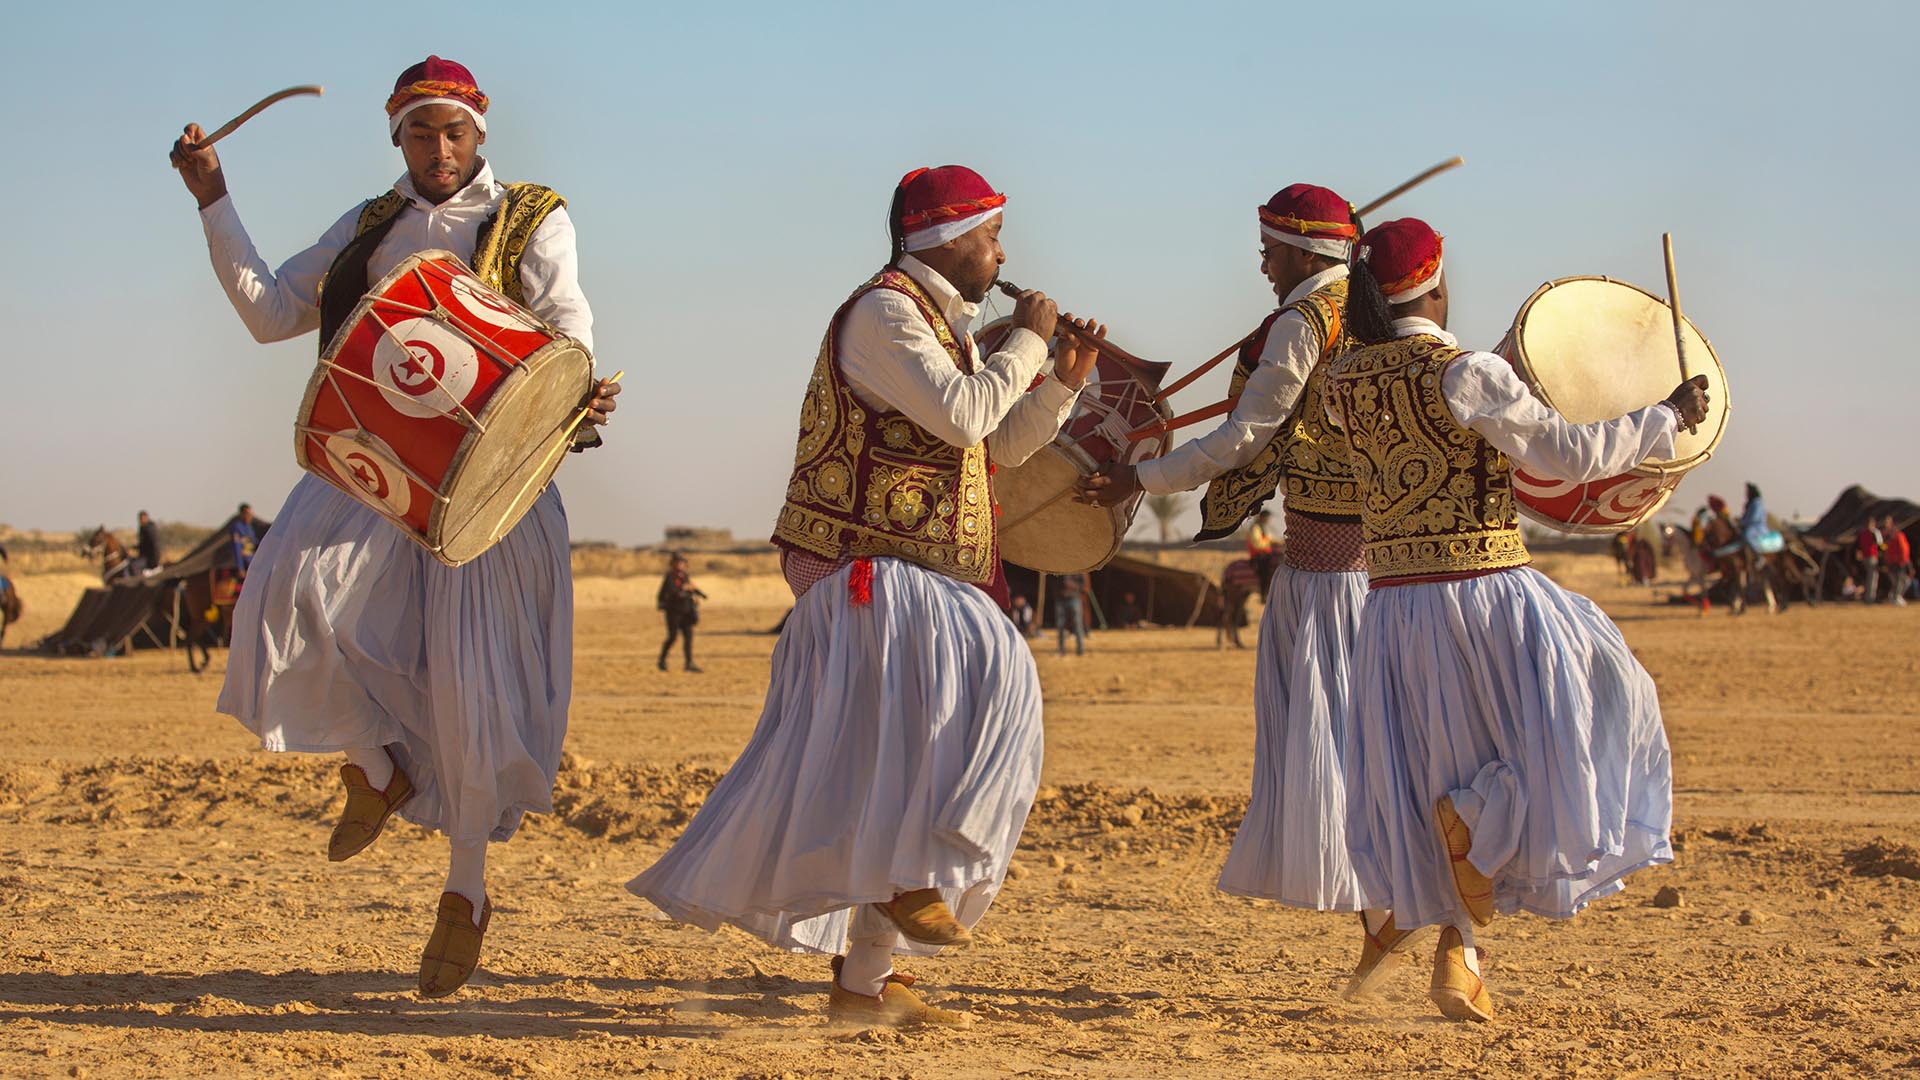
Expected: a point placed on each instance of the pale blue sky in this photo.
(729, 165)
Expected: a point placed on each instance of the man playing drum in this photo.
(1506, 751)
(879, 801)
(446, 688)
(1291, 846)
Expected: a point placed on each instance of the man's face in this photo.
(1440, 297)
(144, 519)
(1283, 265)
(977, 259)
(246, 514)
(442, 148)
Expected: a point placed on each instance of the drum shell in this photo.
(1040, 526)
(435, 390)
(1604, 369)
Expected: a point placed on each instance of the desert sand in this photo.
(169, 910)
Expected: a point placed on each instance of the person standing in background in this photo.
(680, 601)
(1866, 548)
(1071, 613)
(146, 557)
(1021, 613)
(1896, 554)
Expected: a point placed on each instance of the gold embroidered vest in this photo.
(1436, 498)
(867, 483)
(1305, 449)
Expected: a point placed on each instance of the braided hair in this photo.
(896, 228)
(1369, 316)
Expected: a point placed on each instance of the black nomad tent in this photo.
(1831, 538)
(1162, 595)
(147, 612)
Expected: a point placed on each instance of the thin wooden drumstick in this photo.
(1061, 494)
(1184, 380)
(233, 125)
(1450, 163)
(1679, 321)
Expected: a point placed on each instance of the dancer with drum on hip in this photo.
(1291, 846)
(879, 801)
(445, 687)
(1506, 751)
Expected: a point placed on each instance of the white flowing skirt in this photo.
(1292, 846)
(347, 634)
(1522, 702)
(899, 749)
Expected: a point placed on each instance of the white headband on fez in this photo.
(394, 121)
(934, 235)
(1336, 249)
(1422, 289)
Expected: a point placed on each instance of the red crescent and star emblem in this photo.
(422, 370)
(368, 474)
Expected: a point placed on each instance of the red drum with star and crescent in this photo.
(1592, 349)
(443, 406)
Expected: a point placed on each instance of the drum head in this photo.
(502, 470)
(1042, 528)
(1594, 349)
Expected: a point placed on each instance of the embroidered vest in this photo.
(496, 253)
(867, 483)
(1436, 498)
(1304, 449)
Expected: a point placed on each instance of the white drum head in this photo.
(1594, 349)
(499, 474)
(1042, 528)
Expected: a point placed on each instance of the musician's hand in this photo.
(1036, 313)
(601, 403)
(1073, 355)
(199, 169)
(1689, 401)
(1115, 483)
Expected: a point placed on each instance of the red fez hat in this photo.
(1309, 217)
(937, 205)
(1404, 255)
(1716, 503)
(436, 78)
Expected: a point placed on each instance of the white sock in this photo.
(1465, 926)
(467, 874)
(375, 763)
(1376, 918)
(869, 961)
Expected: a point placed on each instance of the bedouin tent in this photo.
(1163, 595)
(1831, 539)
(138, 612)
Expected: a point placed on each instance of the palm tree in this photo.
(1165, 508)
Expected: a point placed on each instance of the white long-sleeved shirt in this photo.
(890, 355)
(1271, 391)
(1485, 395)
(279, 304)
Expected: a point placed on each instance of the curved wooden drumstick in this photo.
(1450, 163)
(1183, 381)
(233, 125)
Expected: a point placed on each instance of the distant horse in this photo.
(9, 606)
(1636, 558)
(1775, 572)
(1238, 583)
(1676, 541)
(114, 561)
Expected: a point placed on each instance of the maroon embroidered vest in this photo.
(868, 483)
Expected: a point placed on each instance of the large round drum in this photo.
(1040, 525)
(443, 406)
(1592, 349)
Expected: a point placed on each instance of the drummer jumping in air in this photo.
(880, 799)
(1291, 846)
(1506, 751)
(446, 688)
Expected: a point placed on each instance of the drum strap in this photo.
(346, 281)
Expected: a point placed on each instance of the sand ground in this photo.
(166, 908)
